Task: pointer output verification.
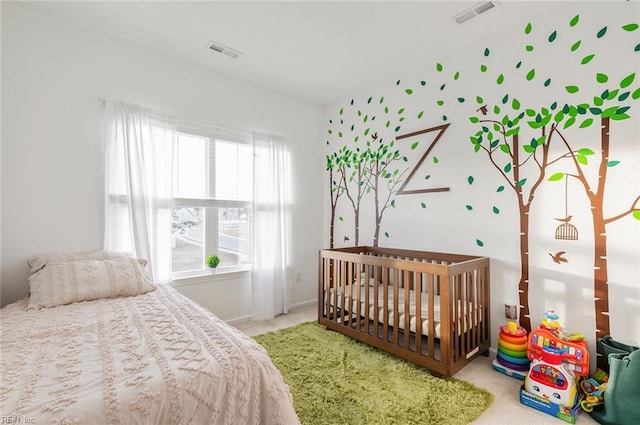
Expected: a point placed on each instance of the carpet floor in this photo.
(337, 380)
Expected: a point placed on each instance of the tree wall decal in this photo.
(617, 110)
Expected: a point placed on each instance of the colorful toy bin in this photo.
(512, 357)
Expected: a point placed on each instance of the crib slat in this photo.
(430, 315)
(406, 281)
(385, 290)
(396, 316)
(418, 294)
(358, 294)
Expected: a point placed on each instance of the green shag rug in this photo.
(337, 380)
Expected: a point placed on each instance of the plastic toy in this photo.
(511, 358)
(555, 364)
(593, 389)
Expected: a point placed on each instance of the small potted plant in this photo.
(213, 261)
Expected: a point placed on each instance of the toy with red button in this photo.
(554, 366)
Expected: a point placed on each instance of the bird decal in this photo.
(565, 220)
(346, 238)
(482, 110)
(558, 257)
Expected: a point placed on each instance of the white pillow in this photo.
(36, 263)
(68, 282)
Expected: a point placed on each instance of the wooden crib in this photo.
(429, 308)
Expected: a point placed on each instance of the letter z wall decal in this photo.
(440, 129)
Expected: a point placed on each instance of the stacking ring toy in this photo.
(511, 353)
(513, 347)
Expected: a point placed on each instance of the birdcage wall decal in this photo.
(566, 231)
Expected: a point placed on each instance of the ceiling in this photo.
(315, 51)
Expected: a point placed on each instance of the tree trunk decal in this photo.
(596, 201)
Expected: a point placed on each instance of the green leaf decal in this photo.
(443, 86)
(479, 242)
(586, 152)
(612, 163)
(531, 74)
(546, 83)
(439, 67)
(515, 104)
(435, 160)
(586, 123)
(507, 168)
(397, 129)
(602, 32)
(461, 99)
(555, 177)
(486, 52)
(470, 179)
(483, 68)
(574, 21)
(427, 177)
(341, 218)
(440, 102)
(552, 36)
(637, 49)
(479, 100)
(420, 114)
(393, 203)
(576, 46)
(572, 89)
(518, 65)
(469, 207)
(529, 48)
(369, 100)
(636, 94)
(408, 91)
(626, 82)
(423, 83)
(527, 29)
(500, 79)
(522, 182)
(496, 210)
(630, 27)
(602, 78)
(587, 59)
(386, 234)
(423, 205)
(456, 75)
(500, 189)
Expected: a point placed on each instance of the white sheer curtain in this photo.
(271, 227)
(140, 150)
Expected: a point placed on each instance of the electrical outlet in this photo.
(510, 312)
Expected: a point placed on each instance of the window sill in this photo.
(209, 275)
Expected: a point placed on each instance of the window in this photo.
(211, 212)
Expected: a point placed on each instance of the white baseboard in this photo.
(294, 307)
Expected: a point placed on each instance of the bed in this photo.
(150, 357)
(429, 308)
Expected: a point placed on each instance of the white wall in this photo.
(54, 75)
(445, 223)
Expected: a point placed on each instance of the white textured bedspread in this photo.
(156, 358)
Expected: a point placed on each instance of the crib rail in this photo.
(429, 308)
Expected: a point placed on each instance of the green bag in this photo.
(622, 396)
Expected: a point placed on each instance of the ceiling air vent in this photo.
(221, 48)
(474, 11)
